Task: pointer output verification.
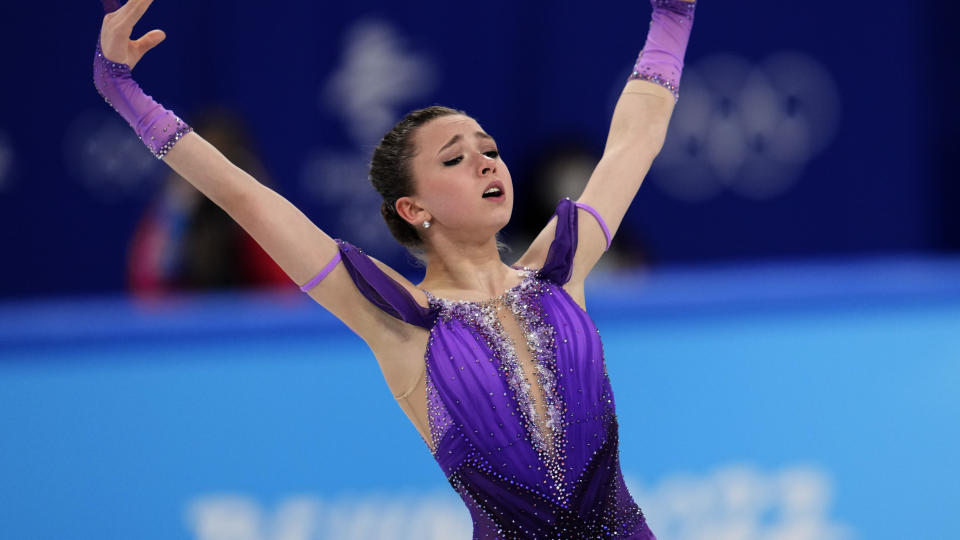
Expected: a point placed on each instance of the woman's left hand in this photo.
(117, 26)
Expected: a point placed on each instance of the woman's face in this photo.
(454, 164)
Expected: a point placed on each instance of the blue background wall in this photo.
(846, 111)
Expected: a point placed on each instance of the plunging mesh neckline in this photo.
(546, 430)
(530, 272)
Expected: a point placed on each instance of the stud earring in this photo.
(426, 224)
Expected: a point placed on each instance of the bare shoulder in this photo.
(340, 296)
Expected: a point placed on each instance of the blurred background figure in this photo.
(560, 169)
(185, 242)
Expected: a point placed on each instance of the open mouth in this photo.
(494, 191)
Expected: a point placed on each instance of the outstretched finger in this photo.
(150, 40)
(131, 12)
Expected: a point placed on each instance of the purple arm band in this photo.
(606, 231)
(661, 60)
(323, 273)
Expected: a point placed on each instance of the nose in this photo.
(486, 164)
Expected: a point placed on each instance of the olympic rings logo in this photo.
(748, 128)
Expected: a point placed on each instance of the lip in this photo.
(496, 184)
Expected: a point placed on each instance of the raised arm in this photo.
(637, 132)
(285, 233)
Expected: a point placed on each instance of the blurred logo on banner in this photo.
(111, 163)
(395, 516)
(740, 502)
(731, 503)
(748, 128)
(377, 77)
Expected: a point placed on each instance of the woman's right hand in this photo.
(117, 26)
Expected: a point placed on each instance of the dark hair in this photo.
(391, 172)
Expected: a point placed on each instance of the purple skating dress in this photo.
(517, 479)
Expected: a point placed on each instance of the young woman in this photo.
(498, 366)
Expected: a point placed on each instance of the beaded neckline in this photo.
(530, 272)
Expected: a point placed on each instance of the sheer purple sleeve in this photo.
(377, 287)
(559, 264)
(157, 127)
(661, 60)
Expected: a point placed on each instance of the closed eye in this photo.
(492, 154)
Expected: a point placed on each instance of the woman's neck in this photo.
(470, 269)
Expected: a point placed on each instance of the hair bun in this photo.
(386, 210)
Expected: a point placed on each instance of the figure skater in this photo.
(498, 366)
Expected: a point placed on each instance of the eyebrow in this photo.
(458, 137)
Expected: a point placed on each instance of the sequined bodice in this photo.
(518, 360)
(525, 468)
(483, 418)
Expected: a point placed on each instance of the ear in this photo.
(411, 212)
